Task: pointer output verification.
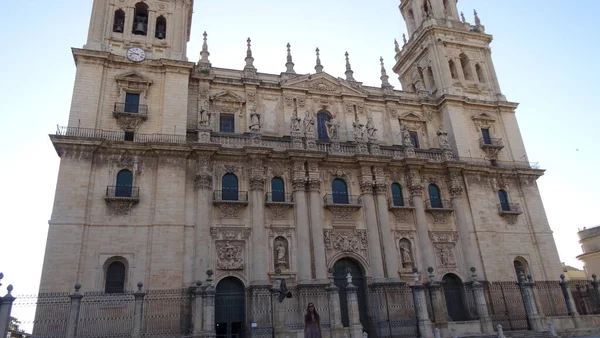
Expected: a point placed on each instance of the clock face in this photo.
(136, 54)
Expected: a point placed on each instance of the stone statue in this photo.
(295, 125)
(281, 251)
(359, 132)
(333, 127)
(254, 121)
(404, 38)
(405, 134)
(405, 254)
(371, 130)
(443, 138)
(204, 118)
(309, 124)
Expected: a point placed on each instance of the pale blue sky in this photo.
(545, 53)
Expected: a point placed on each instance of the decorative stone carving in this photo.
(439, 217)
(405, 135)
(445, 255)
(333, 130)
(443, 139)
(204, 174)
(230, 255)
(129, 121)
(120, 206)
(406, 256)
(342, 213)
(231, 210)
(338, 172)
(279, 210)
(366, 187)
(346, 240)
(371, 130)
(454, 183)
(299, 184)
(415, 186)
(443, 236)
(230, 233)
(321, 86)
(281, 253)
(511, 219)
(403, 215)
(255, 123)
(399, 234)
(309, 125)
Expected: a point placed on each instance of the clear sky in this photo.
(545, 53)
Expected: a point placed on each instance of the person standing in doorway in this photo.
(312, 322)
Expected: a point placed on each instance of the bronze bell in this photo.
(140, 28)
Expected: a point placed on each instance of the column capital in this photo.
(314, 184)
(366, 187)
(257, 182)
(455, 185)
(380, 188)
(299, 184)
(203, 181)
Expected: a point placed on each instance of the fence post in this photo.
(596, 286)
(418, 292)
(438, 303)
(481, 304)
(138, 311)
(335, 315)
(6, 303)
(533, 317)
(356, 328)
(571, 309)
(277, 297)
(209, 307)
(198, 307)
(74, 312)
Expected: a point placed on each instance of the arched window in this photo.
(479, 72)
(453, 71)
(229, 187)
(277, 190)
(140, 19)
(161, 28)
(503, 197)
(115, 278)
(466, 66)
(322, 119)
(339, 190)
(521, 266)
(119, 21)
(435, 198)
(397, 197)
(430, 78)
(124, 185)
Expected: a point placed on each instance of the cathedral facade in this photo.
(170, 168)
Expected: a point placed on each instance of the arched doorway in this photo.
(230, 308)
(358, 279)
(454, 294)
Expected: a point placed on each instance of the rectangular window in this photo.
(414, 139)
(226, 123)
(129, 135)
(485, 133)
(132, 103)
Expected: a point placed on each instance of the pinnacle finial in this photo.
(204, 53)
(477, 20)
(462, 17)
(289, 65)
(318, 67)
(249, 69)
(396, 46)
(385, 79)
(404, 38)
(349, 72)
(249, 52)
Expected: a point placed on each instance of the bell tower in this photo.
(160, 28)
(444, 54)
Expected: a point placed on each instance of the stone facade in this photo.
(589, 238)
(450, 127)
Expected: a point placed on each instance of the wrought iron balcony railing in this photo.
(491, 143)
(438, 205)
(230, 196)
(397, 202)
(342, 200)
(509, 209)
(123, 192)
(279, 198)
(128, 108)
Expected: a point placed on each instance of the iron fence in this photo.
(391, 312)
(130, 108)
(438, 204)
(106, 315)
(123, 191)
(584, 297)
(45, 315)
(341, 199)
(230, 196)
(259, 309)
(505, 303)
(279, 197)
(167, 313)
(551, 300)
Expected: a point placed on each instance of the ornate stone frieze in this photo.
(439, 217)
(279, 210)
(403, 215)
(230, 233)
(399, 234)
(342, 212)
(321, 86)
(120, 206)
(129, 121)
(443, 236)
(346, 240)
(338, 172)
(454, 183)
(230, 255)
(280, 231)
(289, 100)
(231, 210)
(415, 186)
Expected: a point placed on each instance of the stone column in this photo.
(596, 286)
(335, 314)
(373, 241)
(74, 312)
(420, 303)
(481, 304)
(5, 310)
(198, 309)
(425, 247)
(302, 231)
(204, 213)
(316, 224)
(570, 302)
(466, 240)
(534, 319)
(138, 311)
(208, 310)
(438, 301)
(356, 329)
(260, 257)
(389, 247)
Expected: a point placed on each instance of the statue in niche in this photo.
(295, 125)
(281, 253)
(371, 130)
(254, 121)
(443, 138)
(359, 133)
(405, 135)
(309, 124)
(406, 254)
(333, 127)
(204, 115)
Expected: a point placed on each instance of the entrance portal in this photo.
(454, 294)
(230, 308)
(358, 279)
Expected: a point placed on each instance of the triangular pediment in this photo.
(484, 117)
(323, 83)
(133, 77)
(411, 116)
(228, 96)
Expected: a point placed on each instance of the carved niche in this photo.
(444, 243)
(346, 240)
(281, 253)
(230, 255)
(406, 253)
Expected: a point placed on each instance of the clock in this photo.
(136, 54)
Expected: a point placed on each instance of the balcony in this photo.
(130, 116)
(279, 199)
(342, 206)
(230, 196)
(438, 205)
(120, 199)
(394, 203)
(509, 209)
(491, 143)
